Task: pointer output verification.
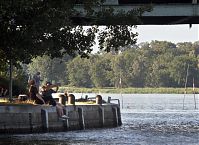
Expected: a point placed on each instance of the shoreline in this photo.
(131, 90)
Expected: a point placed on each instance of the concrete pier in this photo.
(27, 118)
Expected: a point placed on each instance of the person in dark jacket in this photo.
(47, 91)
(47, 95)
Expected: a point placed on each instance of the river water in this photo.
(148, 119)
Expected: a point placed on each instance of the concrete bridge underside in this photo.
(161, 14)
(170, 20)
(172, 14)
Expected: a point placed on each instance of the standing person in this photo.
(37, 79)
(34, 93)
(47, 95)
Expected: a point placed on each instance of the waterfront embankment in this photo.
(29, 118)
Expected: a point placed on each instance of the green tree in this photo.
(101, 71)
(78, 72)
(122, 67)
(158, 74)
(19, 83)
(178, 70)
(133, 67)
(44, 27)
(53, 70)
(34, 28)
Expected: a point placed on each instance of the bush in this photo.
(19, 86)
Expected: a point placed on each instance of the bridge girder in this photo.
(161, 14)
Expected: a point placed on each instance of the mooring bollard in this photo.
(109, 100)
(62, 99)
(22, 97)
(98, 99)
(71, 99)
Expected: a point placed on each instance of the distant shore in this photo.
(130, 90)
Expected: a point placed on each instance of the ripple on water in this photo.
(157, 120)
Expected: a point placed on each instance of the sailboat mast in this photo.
(194, 93)
(185, 86)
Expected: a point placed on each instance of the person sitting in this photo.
(47, 96)
(38, 99)
(3, 92)
(34, 93)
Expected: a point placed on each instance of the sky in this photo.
(171, 33)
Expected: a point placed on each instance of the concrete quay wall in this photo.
(38, 118)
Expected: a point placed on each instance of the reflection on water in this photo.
(147, 120)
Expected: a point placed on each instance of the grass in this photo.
(129, 90)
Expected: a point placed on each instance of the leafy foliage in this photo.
(45, 27)
(101, 71)
(51, 69)
(78, 72)
(155, 64)
(33, 28)
(19, 81)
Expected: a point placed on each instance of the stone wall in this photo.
(36, 118)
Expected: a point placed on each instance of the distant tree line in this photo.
(154, 64)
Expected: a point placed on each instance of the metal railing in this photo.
(110, 100)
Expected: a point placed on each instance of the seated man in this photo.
(47, 96)
(34, 94)
(47, 91)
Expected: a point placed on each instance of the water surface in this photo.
(148, 119)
